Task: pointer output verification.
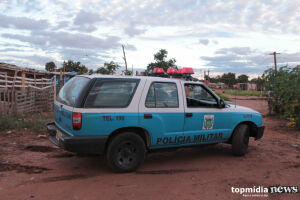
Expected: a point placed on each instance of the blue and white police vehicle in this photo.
(125, 117)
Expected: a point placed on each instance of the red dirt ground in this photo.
(32, 168)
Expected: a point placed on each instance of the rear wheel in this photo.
(126, 152)
(240, 140)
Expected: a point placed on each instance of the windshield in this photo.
(70, 92)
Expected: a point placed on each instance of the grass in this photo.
(244, 93)
(10, 122)
(223, 96)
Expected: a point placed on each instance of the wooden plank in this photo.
(5, 102)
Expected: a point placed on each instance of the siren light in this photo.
(172, 71)
(187, 70)
(158, 71)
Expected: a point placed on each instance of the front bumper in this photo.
(260, 132)
(78, 144)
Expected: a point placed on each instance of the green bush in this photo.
(283, 89)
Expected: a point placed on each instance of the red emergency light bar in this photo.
(158, 71)
(172, 71)
(186, 70)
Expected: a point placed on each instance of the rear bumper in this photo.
(78, 144)
(260, 132)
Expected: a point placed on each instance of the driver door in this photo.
(204, 121)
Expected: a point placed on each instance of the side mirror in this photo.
(221, 103)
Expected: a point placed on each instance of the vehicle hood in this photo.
(237, 108)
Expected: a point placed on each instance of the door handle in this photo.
(147, 116)
(60, 108)
(189, 114)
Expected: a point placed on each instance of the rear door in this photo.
(110, 105)
(70, 95)
(161, 112)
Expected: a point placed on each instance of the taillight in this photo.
(76, 120)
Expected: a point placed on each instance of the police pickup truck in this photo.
(125, 117)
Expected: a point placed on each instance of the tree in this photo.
(50, 66)
(161, 62)
(108, 68)
(242, 78)
(74, 66)
(228, 79)
(259, 83)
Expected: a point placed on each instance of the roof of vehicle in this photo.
(153, 78)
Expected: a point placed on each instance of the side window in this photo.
(162, 95)
(197, 96)
(111, 94)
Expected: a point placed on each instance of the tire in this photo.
(240, 140)
(125, 152)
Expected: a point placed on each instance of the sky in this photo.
(217, 35)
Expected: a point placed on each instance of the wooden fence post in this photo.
(23, 81)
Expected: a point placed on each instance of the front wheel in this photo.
(126, 152)
(240, 140)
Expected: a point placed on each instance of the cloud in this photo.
(11, 50)
(85, 21)
(38, 59)
(131, 30)
(84, 17)
(66, 39)
(22, 23)
(33, 60)
(64, 28)
(62, 24)
(235, 50)
(204, 41)
(247, 60)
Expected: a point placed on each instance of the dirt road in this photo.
(32, 168)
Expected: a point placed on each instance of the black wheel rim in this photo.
(126, 155)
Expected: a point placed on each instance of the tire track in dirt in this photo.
(22, 168)
(169, 171)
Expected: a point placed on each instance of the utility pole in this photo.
(124, 57)
(275, 61)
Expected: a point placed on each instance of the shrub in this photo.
(283, 88)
